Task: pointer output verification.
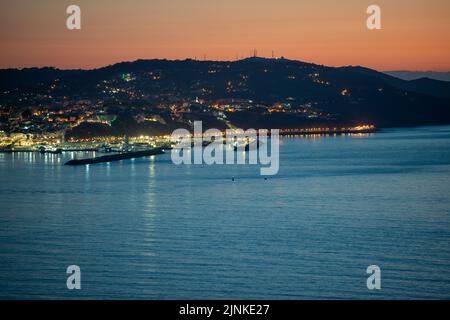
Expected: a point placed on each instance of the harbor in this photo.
(57, 144)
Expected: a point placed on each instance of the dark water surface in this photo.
(148, 229)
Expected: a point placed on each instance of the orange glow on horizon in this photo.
(415, 34)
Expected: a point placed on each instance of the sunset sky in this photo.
(415, 34)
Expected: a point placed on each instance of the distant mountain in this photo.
(350, 94)
(428, 86)
(414, 75)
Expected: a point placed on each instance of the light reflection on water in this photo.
(149, 229)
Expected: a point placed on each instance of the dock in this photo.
(115, 157)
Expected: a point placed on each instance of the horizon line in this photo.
(213, 60)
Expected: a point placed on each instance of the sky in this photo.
(415, 34)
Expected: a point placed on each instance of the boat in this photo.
(51, 150)
(247, 146)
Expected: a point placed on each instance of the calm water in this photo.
(148, 229)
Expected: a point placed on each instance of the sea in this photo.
(149, 229)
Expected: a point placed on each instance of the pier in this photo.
(115, 157)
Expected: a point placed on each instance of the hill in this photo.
(337, 95)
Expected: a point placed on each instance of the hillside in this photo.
(344, 95)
